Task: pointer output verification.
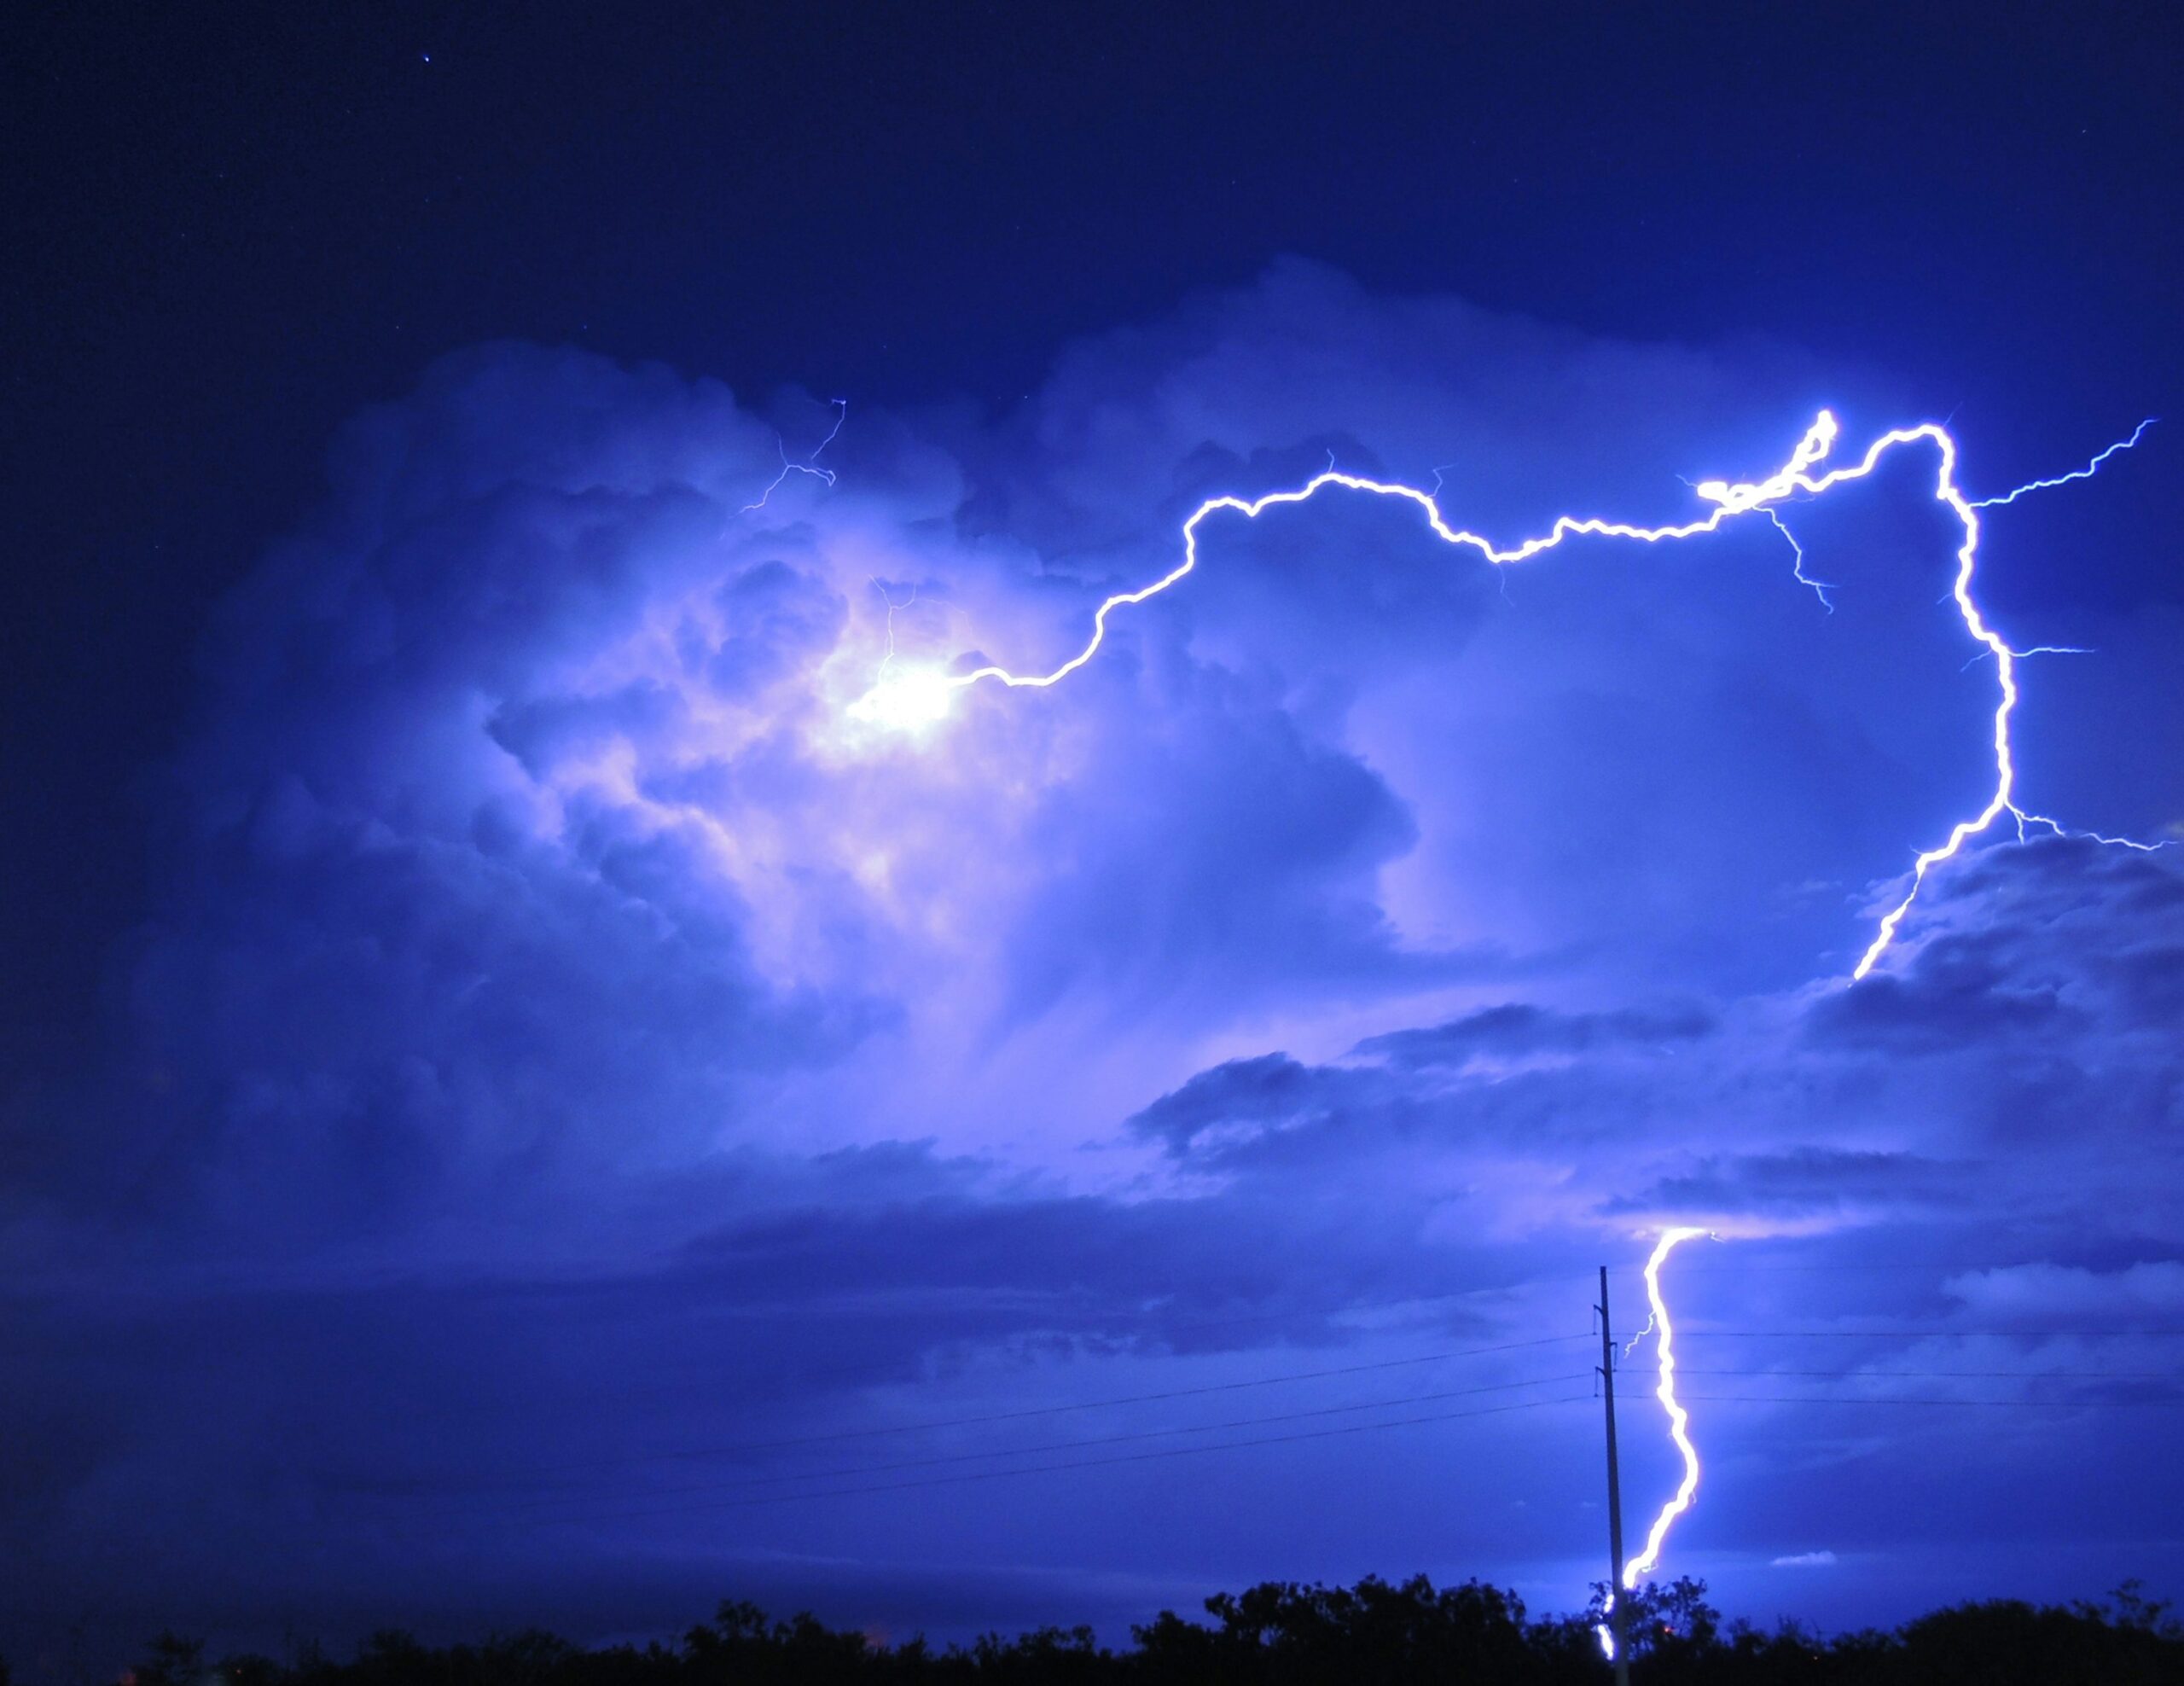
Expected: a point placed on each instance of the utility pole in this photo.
(1617, 1626)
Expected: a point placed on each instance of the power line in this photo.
(1929, 1267)
(1044, 1468)
(534, 1499)
(1095, 1323)
(2172, 1403)
(801, 1493)
(741, 1447)
(1697, 1332)
(1875, 1370)
(528, 1497)
(520, 1500)
(1495, 1290)
(550, 1498)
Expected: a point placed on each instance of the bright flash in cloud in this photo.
(899, 702)
(906, 699)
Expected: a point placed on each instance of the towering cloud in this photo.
(551, 980)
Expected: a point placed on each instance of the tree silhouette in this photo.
(1282, 1633)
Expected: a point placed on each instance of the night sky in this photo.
(517, 1105)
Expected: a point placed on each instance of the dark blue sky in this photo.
(518, 1106)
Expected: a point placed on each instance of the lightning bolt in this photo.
(1679, 1418)
(809, 466)
(1821, 587)
(1658, 1324)
(2084, 474)
(909, 697)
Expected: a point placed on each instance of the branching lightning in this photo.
(2084, 474)
(901, 701)
(809, 466)
(1821, 587)
(911, 697)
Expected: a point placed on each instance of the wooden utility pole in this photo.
(1617, 1627)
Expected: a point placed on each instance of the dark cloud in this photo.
(1267, 1089)
(1520, 1028)
(1800, 1181)
(1956, 995)
(2036, 946)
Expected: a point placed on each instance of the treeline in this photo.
(1373, 1634)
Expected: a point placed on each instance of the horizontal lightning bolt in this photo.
(908, 698)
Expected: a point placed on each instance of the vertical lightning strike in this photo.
(2005, 658)
(911, 697)
(916, 698)
(1821, 587)
(1657, 1319)
(1679, 1418)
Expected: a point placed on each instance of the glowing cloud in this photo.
(906, 699)
(909, 701)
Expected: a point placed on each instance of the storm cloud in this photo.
(565, 1003)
